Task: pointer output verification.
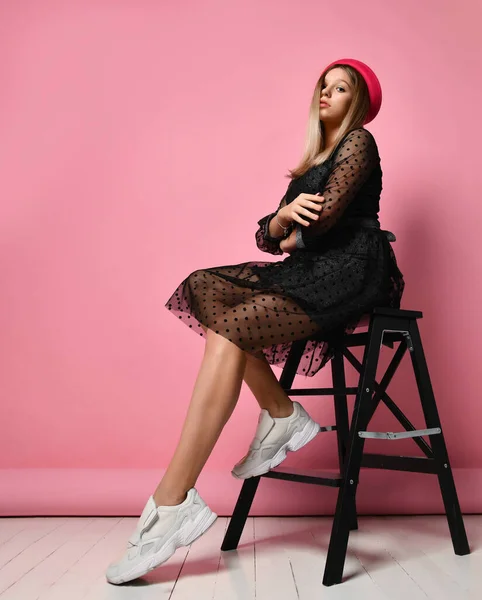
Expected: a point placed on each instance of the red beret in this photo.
(374, 87)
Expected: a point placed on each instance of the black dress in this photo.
(343, 266)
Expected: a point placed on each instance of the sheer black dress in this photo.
(343, 266)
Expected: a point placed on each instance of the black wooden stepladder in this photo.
(386, 327)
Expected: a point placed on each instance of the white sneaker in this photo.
(274, 438)
(159, 532)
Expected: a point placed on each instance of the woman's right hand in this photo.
(307, 205)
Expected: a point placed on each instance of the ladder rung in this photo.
(327, 428)
(315, 477)
(346, 391)
(390, 435)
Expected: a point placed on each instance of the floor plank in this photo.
(45, 559)
(388, 558)
(423, 547)
(236, 575)
(397, 539)
(200, 570)
(307, 545)
(10, 527)
(273, 574)
(85, 558)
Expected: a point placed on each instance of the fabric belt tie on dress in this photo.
(371, 224)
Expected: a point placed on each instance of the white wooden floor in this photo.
(50, 558)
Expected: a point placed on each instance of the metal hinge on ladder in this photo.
(406, 335)
(390, 435)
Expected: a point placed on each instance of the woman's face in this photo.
(338, 93)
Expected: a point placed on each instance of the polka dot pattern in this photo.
(317, 293)
(265, 306)
(354, 173)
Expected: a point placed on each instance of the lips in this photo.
(323, 104)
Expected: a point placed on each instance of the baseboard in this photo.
(116, 492)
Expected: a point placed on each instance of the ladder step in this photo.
(315, 476)
(348, 391)
(327, 428)
(414, 464)
(390, 435)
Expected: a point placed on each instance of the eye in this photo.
(338, 87)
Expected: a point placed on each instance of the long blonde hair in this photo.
(314, 151)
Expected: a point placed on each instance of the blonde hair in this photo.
(314, 151)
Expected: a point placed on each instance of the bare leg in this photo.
(266, 388)
(214, 398)
(264, 385)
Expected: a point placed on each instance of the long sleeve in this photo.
(264, 240)
(354, 162)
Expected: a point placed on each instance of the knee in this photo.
(255, 356)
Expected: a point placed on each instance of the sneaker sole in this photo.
(300, 439)
(185, 536)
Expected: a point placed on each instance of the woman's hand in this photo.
(303, 204)
(307, 205)
(289, 243)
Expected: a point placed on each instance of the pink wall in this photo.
(142, 140)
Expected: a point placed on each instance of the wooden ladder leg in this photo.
(341, 419)
(335, 560)
(432, 419)
(240, 514)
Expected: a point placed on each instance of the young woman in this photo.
(340, 265)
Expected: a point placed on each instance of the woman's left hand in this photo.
(289, 243)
